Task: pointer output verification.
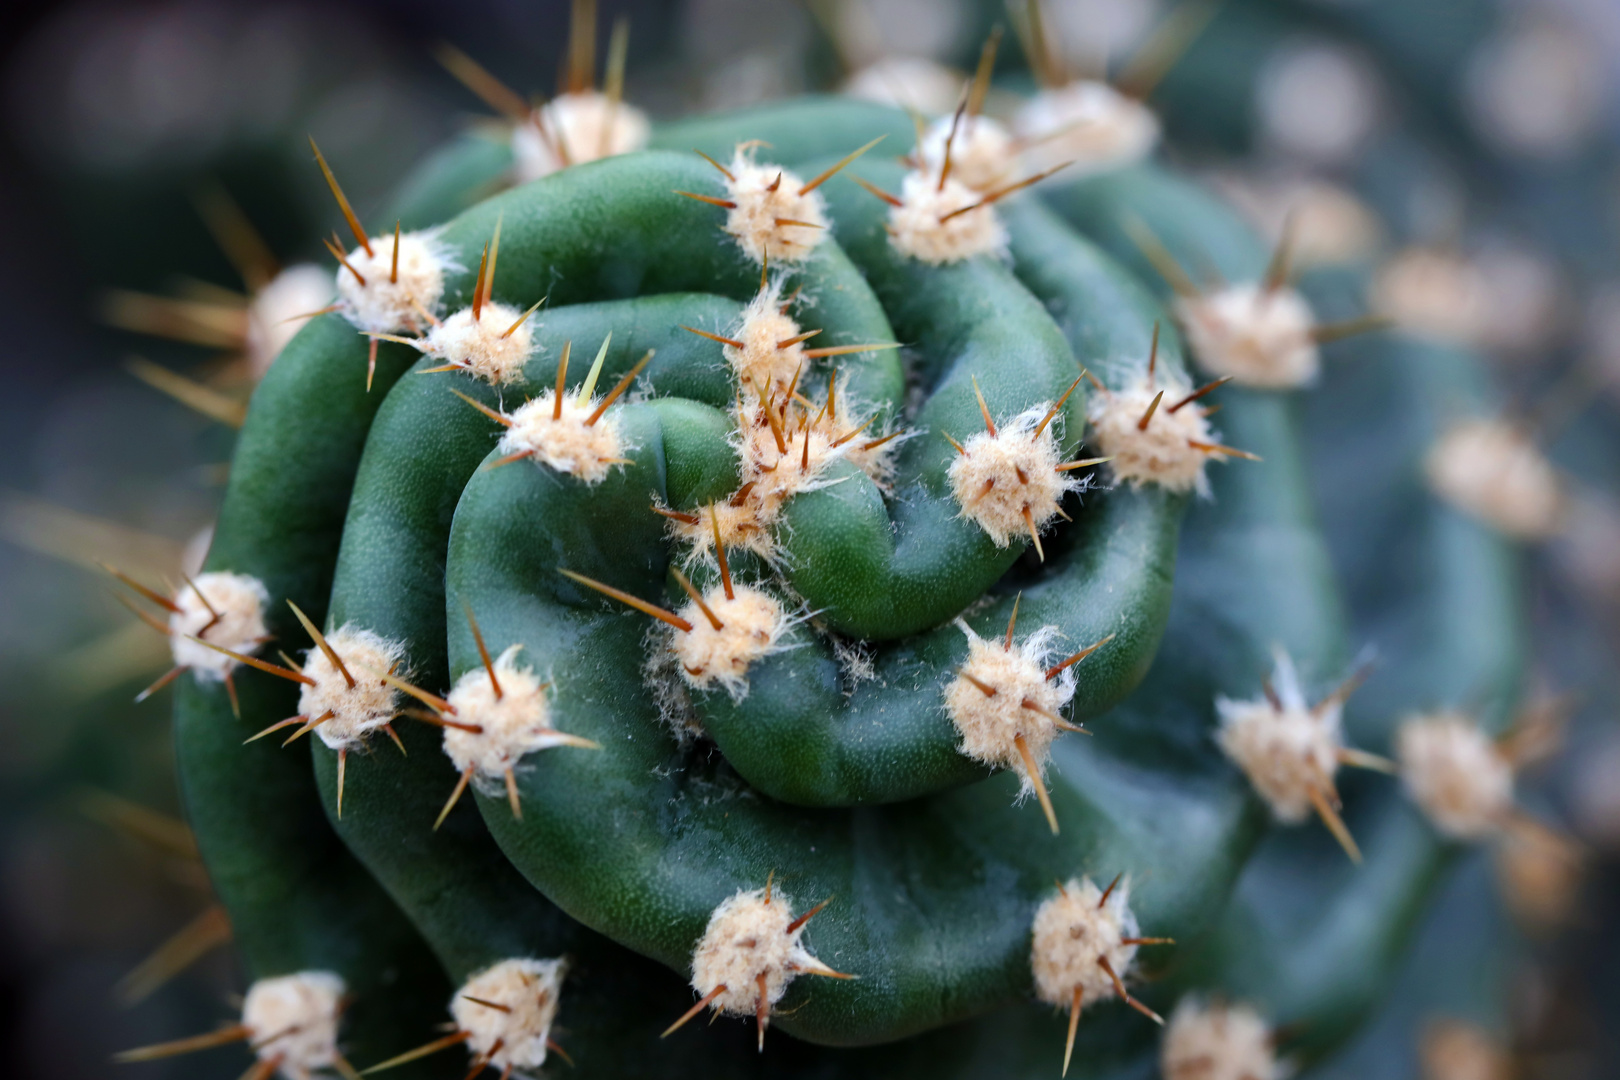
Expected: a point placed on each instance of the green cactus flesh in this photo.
(834, 772)
(297, 901)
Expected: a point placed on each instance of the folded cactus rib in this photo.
(298, 902)
(485, 522)
(764, 572)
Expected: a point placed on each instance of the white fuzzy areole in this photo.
(907, 82)
(529, 990)
(983, 153)
(761, 367)
(577, 128)
(918, 229)
(1088, 123)
(1288, 751)
(1317, 101)
(239, 600)
(1217, 1041)
(356, 710)
(567, 443)
(274, 314)
(1434, 293)
(747, 937)
(385, 306)
(1455, 774)
(482, 346)
(780, 474)
(773, 472)
(1001, 477)
(741, 527)
(516, 723)
(752, 622)
(1073, 929)
(1260, 337)
(771, 476)
(766, 194)
(1493, 471)
(990, 724)
(1162, 453)
(294, 1019)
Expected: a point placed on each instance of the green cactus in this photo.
(879, 553)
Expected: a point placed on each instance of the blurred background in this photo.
(155, 172)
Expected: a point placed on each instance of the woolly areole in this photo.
(982, 153)
(782, 452)
(1161, 453)
(1075, 930)
(1493, 471)
(576, 128)
(514, 723)
(1021, 703)
(1285, 747)
(1435, 294)
(565, 442)
(1007, 481)
(906, 82)
(388, 304)
(741, 526)
(358, 710)
(1455, 773)
(751, 622)
(779, 473)
(924, 228)
(1086, 122)
(274, 316)
(769, 206)
(763, 365)
(294, 1019)
(223, 609)
(493, 346)
(1259, 336)
(752, 948)
(507, 1010)
(1217, 1042)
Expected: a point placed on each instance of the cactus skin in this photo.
(297, 901)
(1147, 794)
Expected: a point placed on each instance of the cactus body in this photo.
(831, 760)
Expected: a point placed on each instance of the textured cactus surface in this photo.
(672, 770)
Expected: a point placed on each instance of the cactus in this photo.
(760, 670)
(1448, 622)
